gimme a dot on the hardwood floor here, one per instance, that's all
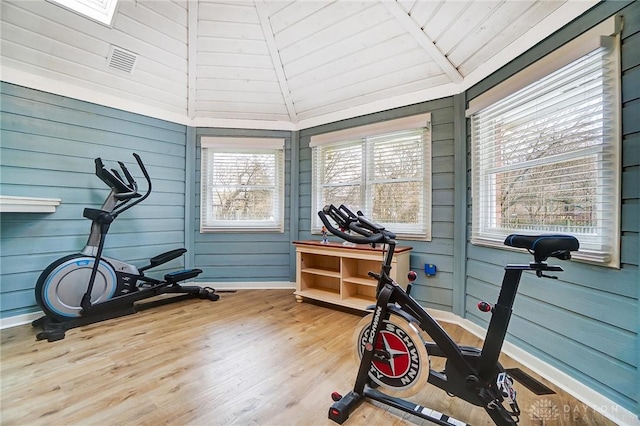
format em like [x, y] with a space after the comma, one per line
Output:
[255, 357]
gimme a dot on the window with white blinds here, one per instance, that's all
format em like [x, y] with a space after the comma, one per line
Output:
[545, 159]
[387, 175]
[242, 184]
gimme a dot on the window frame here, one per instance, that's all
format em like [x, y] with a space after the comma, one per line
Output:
[101, 11]
[361, 136]
[271, 146]
[605, 35]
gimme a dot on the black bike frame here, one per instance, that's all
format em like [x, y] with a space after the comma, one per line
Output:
[472, 374]
[463, 379]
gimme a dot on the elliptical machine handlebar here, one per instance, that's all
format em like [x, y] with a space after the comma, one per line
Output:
[123, 191]
[114, 181]
[144, 172]
[132, 183]
[371, 232]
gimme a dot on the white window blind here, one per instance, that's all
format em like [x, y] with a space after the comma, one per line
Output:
[242, 184]
[386, 175]
[545, 159]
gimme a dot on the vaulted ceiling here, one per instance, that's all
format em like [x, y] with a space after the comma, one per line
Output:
[269, 64]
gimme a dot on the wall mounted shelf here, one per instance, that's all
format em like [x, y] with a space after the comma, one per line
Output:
[14, 204]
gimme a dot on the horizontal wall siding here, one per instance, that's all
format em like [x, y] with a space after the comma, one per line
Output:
[48, 147]
[42, 39]
[436, 291]
[630, 222]
[586, 322]
[242, 256]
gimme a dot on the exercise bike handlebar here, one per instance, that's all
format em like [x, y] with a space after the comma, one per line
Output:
[371, 232]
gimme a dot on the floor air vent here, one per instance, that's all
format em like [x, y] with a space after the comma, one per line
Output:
[121, 59]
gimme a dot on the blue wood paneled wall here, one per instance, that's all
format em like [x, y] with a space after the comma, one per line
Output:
[48, 144]
[437, 291]
[249, 256]
[586, 323]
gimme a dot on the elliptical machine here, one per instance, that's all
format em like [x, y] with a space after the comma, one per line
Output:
[77, 290]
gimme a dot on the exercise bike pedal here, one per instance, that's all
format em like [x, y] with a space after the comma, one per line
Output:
[185, 274]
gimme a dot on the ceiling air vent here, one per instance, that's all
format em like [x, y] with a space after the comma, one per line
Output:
[121, 59]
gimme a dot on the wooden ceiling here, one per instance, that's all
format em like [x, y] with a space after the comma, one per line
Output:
[270, 64]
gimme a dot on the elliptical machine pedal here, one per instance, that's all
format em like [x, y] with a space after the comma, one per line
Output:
[209, 293]
[185, 274]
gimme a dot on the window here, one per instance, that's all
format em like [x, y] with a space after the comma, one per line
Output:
[545, 156]
[99, 10]
[383, 169]
[242, 184]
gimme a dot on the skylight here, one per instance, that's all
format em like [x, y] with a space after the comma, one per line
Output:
[98, 10]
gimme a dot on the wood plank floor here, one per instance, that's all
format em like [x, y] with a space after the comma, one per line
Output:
[255, 357]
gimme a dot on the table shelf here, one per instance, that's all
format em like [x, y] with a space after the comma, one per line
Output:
[337, 274]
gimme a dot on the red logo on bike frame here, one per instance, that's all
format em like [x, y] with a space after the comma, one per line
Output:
[396, 360]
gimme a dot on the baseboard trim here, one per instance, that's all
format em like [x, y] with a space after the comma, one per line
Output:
[589, 397]
[17, 320]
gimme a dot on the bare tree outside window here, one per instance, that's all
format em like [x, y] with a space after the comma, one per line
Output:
[386, 176]
[397, 179]
[243, 186]
[545, 159]
[559, 194]
[341, 174]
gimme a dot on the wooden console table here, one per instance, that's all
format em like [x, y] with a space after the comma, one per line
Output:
[337, 273]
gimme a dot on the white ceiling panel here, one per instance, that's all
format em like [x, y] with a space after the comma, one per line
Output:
[270, 64]
[297, 47]
[467, 23]
[422, 11]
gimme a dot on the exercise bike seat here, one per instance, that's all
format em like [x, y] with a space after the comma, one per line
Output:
[545, 246]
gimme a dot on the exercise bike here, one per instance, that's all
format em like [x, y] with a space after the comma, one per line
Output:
[393, 347]
[77, 290]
